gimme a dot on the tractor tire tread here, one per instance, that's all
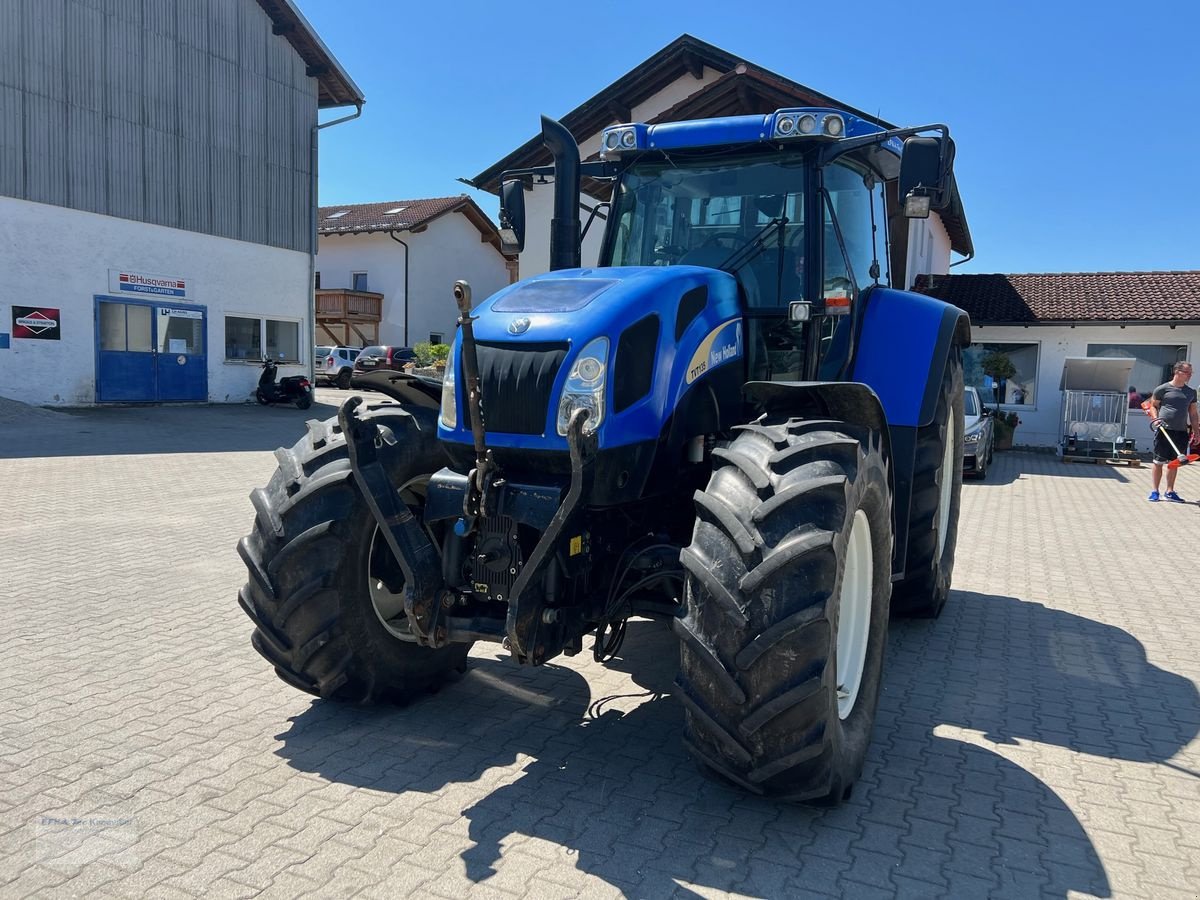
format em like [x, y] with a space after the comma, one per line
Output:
[305, 558]
[761, 684]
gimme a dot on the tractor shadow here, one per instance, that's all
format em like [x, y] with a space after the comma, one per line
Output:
[609, 791]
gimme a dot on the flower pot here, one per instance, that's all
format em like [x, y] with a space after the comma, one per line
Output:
[1004, 439]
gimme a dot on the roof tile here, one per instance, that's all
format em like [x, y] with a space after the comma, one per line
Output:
[364, 217]
[1070, 296]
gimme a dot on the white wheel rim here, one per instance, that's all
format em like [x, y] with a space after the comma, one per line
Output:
[947, 486]
[389, 607]
[854, 613]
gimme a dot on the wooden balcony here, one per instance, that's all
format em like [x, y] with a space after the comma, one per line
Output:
[349, 317]
[346, 305]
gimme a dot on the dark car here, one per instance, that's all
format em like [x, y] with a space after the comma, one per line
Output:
[374, 359]
[979, 433]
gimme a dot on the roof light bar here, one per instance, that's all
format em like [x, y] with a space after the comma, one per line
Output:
[797, 123]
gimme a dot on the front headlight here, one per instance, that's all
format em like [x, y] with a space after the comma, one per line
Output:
[972, 437]
[449, 399]
[584, 388]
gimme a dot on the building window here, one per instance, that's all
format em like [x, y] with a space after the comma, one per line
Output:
[244, 338]
[1020, 389]
[318, 281]
[436, 337]
[1152, 364]
[358, 281]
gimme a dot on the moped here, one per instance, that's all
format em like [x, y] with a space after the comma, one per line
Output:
[291, 389]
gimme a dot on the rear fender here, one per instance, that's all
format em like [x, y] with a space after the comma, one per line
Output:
[905, 344]
[902, 351]
[849, 402]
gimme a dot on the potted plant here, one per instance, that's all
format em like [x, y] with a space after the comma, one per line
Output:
[1006, 426]
[999, 368]
[440, 353]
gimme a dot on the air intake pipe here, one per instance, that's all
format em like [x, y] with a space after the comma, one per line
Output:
[564, 227]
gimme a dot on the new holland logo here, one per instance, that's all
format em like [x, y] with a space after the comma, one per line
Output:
[518, 326]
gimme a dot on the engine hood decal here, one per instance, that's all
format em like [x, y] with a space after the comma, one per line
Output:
[723, 343]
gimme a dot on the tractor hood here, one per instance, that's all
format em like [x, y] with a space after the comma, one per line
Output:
[666, 327]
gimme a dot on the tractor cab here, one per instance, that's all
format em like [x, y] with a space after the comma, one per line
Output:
[794, 205]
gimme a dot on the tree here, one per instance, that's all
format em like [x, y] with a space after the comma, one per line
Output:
[1000, 368]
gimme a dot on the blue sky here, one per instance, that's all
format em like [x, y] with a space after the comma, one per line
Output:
[1076, 123]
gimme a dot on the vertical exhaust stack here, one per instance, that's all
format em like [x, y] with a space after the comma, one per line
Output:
[564, 227]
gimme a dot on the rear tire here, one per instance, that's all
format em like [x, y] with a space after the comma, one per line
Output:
[304, 401]
[933, 519]
[780, 533]
[312, 559]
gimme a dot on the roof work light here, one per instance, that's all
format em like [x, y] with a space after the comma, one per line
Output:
[797, 123]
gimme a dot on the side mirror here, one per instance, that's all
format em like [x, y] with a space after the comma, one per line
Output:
[985, 413]
[512, 216]
[926, 167]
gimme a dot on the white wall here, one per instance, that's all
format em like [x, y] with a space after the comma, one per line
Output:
[928, 248]
[1041, 421]
[539, 203]
[451, 248]
[59, 257]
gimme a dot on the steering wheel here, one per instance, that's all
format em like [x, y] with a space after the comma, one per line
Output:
[734, 240]
[669, 251]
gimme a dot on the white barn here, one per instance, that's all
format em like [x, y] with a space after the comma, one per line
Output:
[158, 170]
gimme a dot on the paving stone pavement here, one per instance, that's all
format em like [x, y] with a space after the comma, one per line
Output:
[1037, 740]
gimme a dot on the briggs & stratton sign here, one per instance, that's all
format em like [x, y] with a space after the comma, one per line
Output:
[39, 323]
[123, 282]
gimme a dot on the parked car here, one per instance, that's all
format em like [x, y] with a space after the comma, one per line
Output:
[979, 435]
[335, 365]
[372, 359]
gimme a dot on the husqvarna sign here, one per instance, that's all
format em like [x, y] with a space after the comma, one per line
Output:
[121, 281]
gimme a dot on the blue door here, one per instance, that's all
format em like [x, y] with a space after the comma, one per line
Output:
[125, 367]
[182, 356]
[148, 352]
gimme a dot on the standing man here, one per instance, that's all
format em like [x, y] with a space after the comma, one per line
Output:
[1173, 412]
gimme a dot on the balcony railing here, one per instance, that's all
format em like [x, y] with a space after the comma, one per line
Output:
[349, 305]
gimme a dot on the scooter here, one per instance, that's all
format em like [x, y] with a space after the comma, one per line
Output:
[292, 389]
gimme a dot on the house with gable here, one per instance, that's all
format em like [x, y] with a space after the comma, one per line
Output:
[385, 270]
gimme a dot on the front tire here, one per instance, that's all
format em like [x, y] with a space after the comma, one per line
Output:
[936, 488]
[343, 379]
[786, 608]
[315, 569]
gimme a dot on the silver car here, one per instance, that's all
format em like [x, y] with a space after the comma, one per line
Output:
[334, 364]
[979, 435]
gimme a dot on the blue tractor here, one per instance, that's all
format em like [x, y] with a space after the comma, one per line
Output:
[733, 422]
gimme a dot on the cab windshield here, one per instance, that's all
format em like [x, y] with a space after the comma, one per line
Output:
[702, 212]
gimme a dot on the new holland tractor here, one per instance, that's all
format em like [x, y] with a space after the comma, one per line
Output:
[732, 422]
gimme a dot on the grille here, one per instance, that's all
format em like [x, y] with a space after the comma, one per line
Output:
[517, 382]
